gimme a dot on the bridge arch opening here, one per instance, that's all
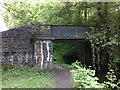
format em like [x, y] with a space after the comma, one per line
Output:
[68, 51]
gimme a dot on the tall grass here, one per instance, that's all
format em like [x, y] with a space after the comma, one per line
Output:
[27, 77]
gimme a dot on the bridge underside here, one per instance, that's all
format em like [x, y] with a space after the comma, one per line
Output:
[69, 40]
[69, 32]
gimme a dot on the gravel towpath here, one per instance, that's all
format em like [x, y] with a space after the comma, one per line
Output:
[62, 76]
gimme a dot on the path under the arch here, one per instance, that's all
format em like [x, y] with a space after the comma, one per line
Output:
[62, 76]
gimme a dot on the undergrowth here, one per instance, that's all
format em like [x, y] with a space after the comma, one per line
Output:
[85, 78]
[27, 77]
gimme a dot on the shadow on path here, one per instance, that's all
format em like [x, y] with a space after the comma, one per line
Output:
[62, 76]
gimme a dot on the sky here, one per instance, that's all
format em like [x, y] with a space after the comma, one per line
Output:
[2, 23]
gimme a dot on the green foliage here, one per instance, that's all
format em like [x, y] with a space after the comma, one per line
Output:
[105, 40]
[18, 13]
[7, 66]
[62, 49]
[117, 60]
[111, 83]
[100, 41]
[83, 77]
[27, 77]
[68, 52]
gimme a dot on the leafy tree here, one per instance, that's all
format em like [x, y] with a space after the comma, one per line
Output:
[59, 13]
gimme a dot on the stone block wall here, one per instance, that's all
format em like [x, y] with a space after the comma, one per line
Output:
[17, 46]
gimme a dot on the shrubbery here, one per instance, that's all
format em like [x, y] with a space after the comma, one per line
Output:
[112, 80]
[85, 78]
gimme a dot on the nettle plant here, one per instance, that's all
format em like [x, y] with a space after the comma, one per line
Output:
[111, 80]
[84, 77]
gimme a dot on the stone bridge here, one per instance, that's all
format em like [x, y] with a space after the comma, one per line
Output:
[33, 43]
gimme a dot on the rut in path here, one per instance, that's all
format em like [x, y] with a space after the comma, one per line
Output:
[62, 76]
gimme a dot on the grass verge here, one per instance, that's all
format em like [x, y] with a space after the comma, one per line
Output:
[27, 77]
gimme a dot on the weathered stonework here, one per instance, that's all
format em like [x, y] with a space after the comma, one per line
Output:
[17, 46]
[33, 43]
[43, 54]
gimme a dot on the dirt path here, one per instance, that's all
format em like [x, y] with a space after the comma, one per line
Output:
[62, 77]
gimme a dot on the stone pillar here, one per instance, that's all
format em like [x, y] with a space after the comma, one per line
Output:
[43, 54]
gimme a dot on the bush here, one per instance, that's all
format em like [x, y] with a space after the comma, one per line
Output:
[83, 77]
[111, 83]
